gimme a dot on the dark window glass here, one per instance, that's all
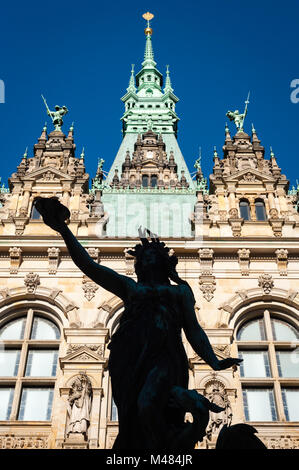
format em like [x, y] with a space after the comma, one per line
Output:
[114, 412]
[245, 210]
[260, 211]
[34, 213]
[145, 181]
[154, 180]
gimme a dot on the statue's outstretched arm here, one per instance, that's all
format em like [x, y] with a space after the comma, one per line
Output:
[105, 277]
[54, 215]
[198, 338]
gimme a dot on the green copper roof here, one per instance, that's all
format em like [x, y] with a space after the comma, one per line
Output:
[145, 99]
[149, 53]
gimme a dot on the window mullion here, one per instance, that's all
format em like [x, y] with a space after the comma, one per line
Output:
[279, 402]
[28, 323]
[23, 358]
[268, 327]
[16, 400]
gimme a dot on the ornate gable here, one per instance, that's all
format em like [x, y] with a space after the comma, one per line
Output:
[82, 355]
[149, 167]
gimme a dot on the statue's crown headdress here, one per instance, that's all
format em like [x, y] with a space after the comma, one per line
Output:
[155, 243]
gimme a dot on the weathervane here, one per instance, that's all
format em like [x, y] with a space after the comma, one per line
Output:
[148, 16]
[237, 117]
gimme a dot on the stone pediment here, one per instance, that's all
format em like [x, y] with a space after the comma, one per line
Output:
[150, 164]
[222, 351]
[48, 173]
[251, 175]
[83, 354]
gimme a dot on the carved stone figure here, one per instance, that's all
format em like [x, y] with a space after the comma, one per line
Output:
[79, 405]
[148, 364]
[215, 392]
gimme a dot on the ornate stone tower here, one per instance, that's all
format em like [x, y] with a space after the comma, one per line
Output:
[149, 170]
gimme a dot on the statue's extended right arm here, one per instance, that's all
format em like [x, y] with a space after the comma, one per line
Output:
[54, 215]
[105, 277]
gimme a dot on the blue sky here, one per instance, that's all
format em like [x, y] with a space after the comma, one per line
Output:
[79, 54]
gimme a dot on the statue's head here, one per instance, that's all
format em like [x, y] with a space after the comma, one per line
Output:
[57, 107]
[154, 256]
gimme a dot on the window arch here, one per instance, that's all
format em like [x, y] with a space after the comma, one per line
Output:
[245, 209]
[269, 373]
[28, 359]
[35, 215]
[145, 181]
[260, 210]
[113, 411]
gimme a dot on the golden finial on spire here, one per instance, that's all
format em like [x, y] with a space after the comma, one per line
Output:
[148, 16]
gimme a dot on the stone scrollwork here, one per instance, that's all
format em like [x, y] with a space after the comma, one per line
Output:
[11, 441]
[89, 287]
[266, 282]
[97, 348]
[208, 287]
[31, 281]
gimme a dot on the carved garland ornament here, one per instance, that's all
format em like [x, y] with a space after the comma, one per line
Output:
[31, 281]
[266, 283]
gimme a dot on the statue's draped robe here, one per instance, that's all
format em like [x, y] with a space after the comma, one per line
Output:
[148, 337]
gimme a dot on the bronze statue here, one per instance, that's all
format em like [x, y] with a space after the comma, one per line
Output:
[56, 115]
[148, 364]
[238, 117]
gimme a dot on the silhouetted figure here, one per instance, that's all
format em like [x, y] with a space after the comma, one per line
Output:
[148, 364]
[239, 436]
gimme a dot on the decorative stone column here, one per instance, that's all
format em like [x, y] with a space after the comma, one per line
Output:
[25, 200]
[85, 354]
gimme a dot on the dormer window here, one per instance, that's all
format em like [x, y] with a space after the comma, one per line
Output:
[260, 211]
[244, 209]
[149, 78]
[35, 215]
[145, 181]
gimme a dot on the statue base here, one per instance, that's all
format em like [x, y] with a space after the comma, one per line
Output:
[75, 440]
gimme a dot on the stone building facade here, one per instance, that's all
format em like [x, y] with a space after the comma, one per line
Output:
[238, 247]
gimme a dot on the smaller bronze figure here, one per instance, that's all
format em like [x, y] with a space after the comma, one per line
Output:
[56, 115]
[237, 117]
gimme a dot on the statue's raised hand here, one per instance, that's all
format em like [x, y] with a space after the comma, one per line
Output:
[229, 362]
[53, 212]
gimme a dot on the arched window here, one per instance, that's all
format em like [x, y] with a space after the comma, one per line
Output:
[30, 352]
[266, 345]
[260, 211]
[34, 213]
[113, 411]
[145, 181]
[244, 209]
[154, 180]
